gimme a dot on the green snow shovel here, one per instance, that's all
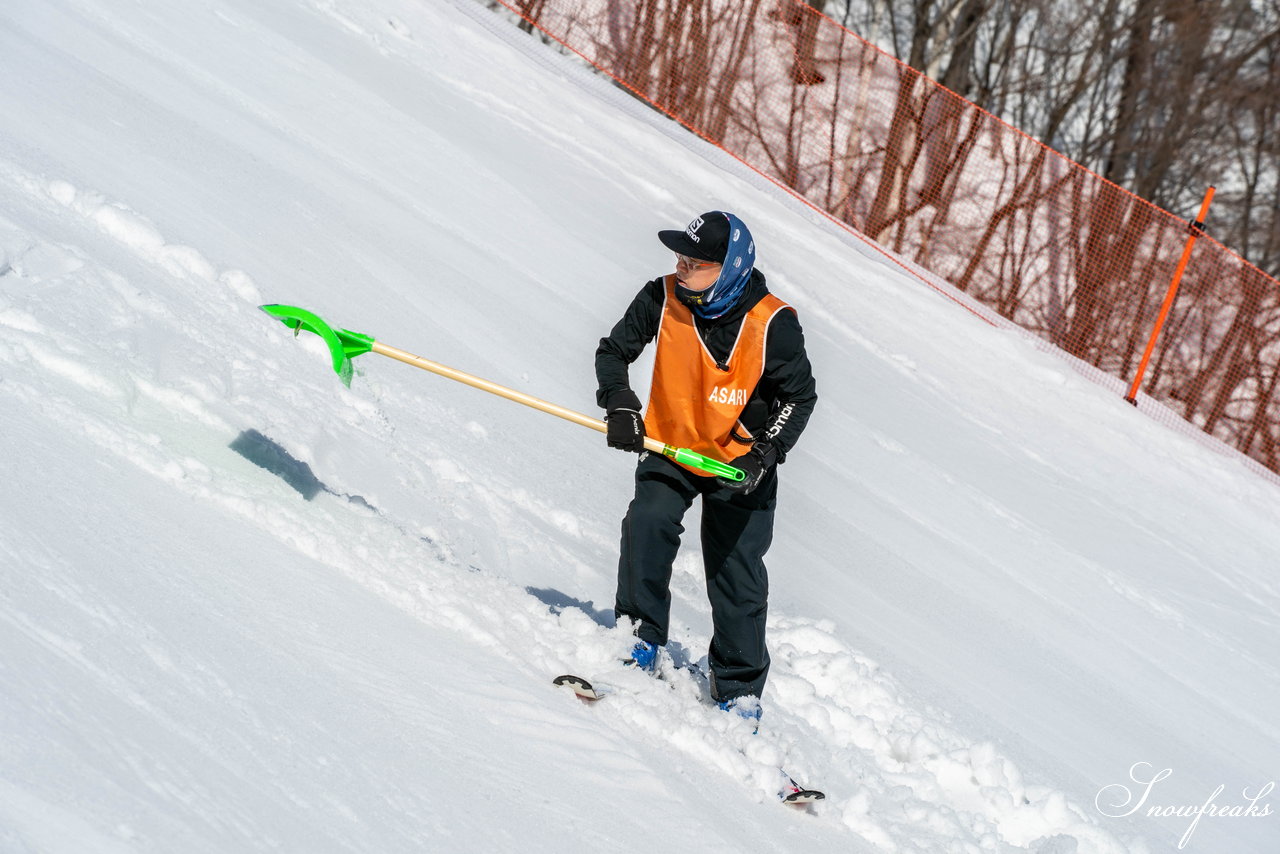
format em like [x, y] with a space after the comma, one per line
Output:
[344, 345]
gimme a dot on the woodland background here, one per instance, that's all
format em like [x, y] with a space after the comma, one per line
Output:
[1162, 97]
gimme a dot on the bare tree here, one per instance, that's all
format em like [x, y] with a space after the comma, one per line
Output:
[1145, 92]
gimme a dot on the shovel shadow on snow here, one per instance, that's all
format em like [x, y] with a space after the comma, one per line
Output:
[558, 602]
[266, 453]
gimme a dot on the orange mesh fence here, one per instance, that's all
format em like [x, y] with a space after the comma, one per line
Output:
[1034, 236]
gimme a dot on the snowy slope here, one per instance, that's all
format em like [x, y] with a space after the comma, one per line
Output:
[995, 587]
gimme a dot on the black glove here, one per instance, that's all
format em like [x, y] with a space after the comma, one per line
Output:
[626, 430]
[755, 463]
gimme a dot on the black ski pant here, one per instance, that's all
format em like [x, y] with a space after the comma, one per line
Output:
[736, 532]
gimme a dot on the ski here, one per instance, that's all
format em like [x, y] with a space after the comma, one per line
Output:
[582, 688]
[791, 794]
[798, 796]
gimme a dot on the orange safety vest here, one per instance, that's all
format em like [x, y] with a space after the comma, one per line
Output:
[692, 402]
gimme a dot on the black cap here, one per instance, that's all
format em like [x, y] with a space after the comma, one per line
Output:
[706, 238]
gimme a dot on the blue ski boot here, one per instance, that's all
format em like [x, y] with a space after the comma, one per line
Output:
[645, 656]
[747, 708]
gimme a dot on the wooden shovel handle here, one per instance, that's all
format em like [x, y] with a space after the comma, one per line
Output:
[502, 391]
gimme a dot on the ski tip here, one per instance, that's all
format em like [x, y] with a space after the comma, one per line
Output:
[803, 797]
[580, 686]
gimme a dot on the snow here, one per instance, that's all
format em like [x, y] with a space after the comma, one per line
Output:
[246, 608]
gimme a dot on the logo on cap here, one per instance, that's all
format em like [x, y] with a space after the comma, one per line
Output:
[692, 229]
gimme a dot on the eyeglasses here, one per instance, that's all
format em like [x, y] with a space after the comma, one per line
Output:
[695, 263]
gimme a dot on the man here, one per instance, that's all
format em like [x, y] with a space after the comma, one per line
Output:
[731, 380]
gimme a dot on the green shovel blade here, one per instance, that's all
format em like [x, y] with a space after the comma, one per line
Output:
[344, 345]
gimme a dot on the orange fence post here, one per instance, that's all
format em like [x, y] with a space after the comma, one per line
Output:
[1196, 229]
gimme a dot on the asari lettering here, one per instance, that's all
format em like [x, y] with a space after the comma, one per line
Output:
[733, 396]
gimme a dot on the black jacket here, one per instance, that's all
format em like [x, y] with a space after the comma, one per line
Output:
[784, 398]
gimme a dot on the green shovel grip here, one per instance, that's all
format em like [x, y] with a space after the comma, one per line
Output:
[698, 461]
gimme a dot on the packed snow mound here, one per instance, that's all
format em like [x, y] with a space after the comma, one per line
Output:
[248, 608]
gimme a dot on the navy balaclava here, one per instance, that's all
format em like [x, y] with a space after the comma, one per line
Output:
[739, 261]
